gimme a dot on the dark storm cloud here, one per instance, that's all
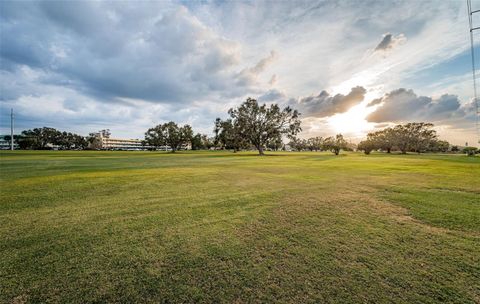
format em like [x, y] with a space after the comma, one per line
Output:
[326, 105]
[404, 105]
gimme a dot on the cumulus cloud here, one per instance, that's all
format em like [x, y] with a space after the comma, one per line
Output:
[168, 57]
[389, 42]
[325, 104]
[404, 105]
[93, 64]
[96, 64]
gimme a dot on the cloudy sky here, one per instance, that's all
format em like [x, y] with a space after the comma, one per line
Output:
[349, 67]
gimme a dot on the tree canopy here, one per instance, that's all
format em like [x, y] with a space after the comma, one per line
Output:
[411, 137]
[169, 134]
[48, 138]
[366, 146]
[201, 141]
[335, 143]
[228, 135]
[260, 124]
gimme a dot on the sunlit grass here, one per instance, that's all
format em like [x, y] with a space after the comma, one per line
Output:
[224, 227]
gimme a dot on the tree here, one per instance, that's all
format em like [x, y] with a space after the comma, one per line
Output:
[197, 142]
[17, 138]
[335, 144]
[228, 136]
[68, 141]
[169, 134]
[350, 147]
[275, 143]
[217, 129]
[40, 138]
[94, 141]
[80, 142]
[298, 144]
[315, 143]
[415, 136]
[258, 125]
[366, 146]
[383, 140]
[46, 138]
[208, 142]
[470, 151]
[26, 142]
[440, 146]
[423, 136]
[201, 141]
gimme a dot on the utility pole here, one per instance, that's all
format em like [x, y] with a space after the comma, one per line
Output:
[471, 12]
[11, 129]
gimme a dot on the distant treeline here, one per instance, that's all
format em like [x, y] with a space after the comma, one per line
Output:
[252, 126]
[45, 138]
[411, 137]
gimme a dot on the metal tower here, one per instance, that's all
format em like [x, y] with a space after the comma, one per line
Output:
[474, 75]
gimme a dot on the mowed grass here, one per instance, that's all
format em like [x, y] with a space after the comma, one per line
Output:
[83, 227]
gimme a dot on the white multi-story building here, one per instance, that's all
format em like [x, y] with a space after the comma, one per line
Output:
[108, 143]
[122, 144]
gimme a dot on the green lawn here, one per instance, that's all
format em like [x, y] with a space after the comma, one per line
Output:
[82, 227]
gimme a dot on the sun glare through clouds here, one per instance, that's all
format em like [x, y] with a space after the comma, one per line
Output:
[353, 122]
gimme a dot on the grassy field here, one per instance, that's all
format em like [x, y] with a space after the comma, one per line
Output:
[82, 227]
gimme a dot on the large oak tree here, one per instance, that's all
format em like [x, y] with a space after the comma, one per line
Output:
[415, 136]
[411, 137]
[169, 134]
[260, 124]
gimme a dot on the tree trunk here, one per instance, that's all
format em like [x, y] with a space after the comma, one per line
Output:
[260, 150]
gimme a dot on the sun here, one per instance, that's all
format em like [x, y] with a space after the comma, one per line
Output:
[353, 122]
